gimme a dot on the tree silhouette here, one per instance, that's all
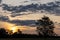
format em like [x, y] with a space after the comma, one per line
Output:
[10, 32]
[3, 32]
[45, 27]
[19, 32]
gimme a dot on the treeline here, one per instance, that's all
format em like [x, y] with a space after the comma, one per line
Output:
[4, 34]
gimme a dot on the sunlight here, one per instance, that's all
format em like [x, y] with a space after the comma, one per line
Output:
[14, 29]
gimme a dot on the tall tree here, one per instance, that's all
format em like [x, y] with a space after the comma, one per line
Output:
[45, 26]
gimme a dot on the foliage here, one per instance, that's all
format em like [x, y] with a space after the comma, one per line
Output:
[45, 26]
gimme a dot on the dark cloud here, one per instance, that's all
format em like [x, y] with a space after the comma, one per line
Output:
[52, 7]
[18, 22]
[23, 22]
[21, 8]
[4, 18]
[0, 1]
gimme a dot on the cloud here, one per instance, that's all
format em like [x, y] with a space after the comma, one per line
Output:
[18, 22]
[23, 22]
[18, 14]
[4, 18]
[0, 1]
[20, 8]
[15, 2]
[51, 7]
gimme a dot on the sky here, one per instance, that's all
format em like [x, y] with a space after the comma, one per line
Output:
[31, 16]
[24, 2]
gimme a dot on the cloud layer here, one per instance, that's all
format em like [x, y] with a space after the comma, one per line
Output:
[52, 7]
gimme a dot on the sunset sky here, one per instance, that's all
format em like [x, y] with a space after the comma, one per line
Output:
[26, 17]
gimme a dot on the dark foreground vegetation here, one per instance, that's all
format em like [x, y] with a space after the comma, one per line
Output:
[4, 34]
[16, 35]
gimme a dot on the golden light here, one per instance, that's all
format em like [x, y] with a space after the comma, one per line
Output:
[14, 29]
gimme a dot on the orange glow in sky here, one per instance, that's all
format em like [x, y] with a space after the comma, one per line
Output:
[14, 29]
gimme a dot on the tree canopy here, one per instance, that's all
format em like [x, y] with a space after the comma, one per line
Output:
[45, 26]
